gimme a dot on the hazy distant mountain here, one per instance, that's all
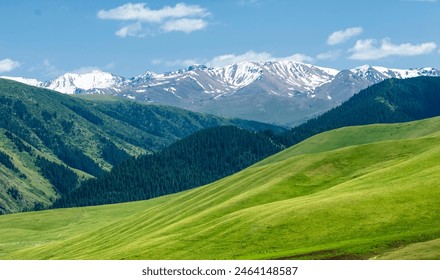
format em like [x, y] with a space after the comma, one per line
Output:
[282, 92]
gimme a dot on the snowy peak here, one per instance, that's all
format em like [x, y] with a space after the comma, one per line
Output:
[237, 75]
[145, 77]
[285, 78]
[31, 82]
[371, 74]
[71, 83]
[300, 75]
[377, 74]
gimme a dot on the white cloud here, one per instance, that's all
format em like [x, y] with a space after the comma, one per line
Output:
[47, 69]
[330, 55]
[342, 36]
[177, 62]
[89, 69]
[228, 59]
[298, 57]
[134, 30]
[369, 49]
[7, 65]
[139, 12]
[251, 56]
[86, 69]
[186, 25]
[181, 17]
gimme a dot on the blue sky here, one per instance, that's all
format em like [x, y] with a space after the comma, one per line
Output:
[46, 38]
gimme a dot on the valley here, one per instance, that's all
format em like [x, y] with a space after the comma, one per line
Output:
[143, 138]
[360, 199]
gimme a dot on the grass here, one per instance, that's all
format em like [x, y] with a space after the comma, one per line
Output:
[428, 250]
[353, 193]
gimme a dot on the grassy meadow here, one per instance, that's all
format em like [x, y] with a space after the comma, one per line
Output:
[368, 192]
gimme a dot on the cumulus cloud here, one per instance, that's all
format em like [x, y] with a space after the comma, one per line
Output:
[186, 25]
[181, 17]
[134, 30]
[251, 56]
[342, 36]
[139, 12]
[330, 55]
[47, 69]
[177, 62]
[228, 59]
[7, 65]
[369, 49]
[86, 69]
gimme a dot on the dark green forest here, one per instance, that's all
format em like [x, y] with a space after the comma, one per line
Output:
[199, 159]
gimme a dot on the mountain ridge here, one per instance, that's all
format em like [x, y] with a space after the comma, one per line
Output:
[279, 92]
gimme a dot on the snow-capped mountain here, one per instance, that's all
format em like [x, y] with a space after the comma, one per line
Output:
[31, 82]
[71, 83]
[281, 92]
[377, 74]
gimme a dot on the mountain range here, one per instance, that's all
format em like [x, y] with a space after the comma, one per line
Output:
[281, 92]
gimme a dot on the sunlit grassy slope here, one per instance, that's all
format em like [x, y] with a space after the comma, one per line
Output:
[352, 193]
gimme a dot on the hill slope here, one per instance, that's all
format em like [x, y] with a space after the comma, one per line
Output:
[46, 137]
[343, 201]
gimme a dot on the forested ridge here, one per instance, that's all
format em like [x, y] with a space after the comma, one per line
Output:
[201, 158]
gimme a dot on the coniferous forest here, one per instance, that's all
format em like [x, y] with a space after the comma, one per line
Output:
[201, 158]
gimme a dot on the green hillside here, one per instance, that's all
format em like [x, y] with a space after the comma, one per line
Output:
[373, 195]
[46, 137]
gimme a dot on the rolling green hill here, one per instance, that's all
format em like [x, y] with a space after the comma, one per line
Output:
[46, 137]
[363, 192]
